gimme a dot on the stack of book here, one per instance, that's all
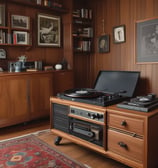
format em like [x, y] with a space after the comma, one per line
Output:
[2, 37]
[83, 13]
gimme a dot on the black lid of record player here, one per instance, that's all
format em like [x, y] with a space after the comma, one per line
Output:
[122, 82]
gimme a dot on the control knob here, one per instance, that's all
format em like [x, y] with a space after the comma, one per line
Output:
[93, 116]
[99, 116]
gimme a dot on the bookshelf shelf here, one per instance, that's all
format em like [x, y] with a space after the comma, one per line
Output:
[33, 4]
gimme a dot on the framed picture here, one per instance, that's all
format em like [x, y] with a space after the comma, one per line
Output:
[2, 15]
[18, 21]
[20, 37]
[103, 44]
[49, 30]
[147, 41]
[119, 34]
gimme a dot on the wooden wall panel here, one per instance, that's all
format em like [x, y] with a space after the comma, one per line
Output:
[122, 56]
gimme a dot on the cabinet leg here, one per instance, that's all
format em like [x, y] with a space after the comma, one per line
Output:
[57, 140]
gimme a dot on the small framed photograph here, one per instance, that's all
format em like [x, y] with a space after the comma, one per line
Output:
[147, 41]
[119, 34]
[18, 21]
[103, 44]
[2, 15]
[20, 37]
[49, 28]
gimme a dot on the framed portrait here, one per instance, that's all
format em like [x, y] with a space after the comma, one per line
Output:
[18, 21]
[20, 37]
[103, 44]
[49, 30]
[2, 15]
[119, 34]
[147, 41]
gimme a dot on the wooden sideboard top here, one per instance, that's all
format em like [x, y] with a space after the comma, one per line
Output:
[7, 73]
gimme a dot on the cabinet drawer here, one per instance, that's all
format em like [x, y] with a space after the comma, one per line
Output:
[130, 124]
[125, 145]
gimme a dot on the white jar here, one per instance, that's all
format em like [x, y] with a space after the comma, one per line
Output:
[39, 2]
[58, 66]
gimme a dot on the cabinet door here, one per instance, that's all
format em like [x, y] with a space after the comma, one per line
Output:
[14, 100]
[63, 80]
[40, 91]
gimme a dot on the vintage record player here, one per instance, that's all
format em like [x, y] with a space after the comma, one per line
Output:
[110, 87]
[141, 103]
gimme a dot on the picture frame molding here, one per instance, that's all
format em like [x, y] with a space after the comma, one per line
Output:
[48, 38]
[146, 41]
[24, 39]
[21, 22]
[119, 34]
[104, 43]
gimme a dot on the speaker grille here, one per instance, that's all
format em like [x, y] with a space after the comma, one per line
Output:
[60, 117]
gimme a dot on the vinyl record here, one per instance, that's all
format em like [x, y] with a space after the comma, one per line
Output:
[143, 99]
[82, 93]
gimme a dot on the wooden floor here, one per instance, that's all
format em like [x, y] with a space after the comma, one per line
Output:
[79, 153]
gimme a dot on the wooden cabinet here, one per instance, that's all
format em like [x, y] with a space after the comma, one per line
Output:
[132, 137]
[63, 80]
[125, 136]
[24, 96]
[129, 136]
[14, 100]
[40, 89]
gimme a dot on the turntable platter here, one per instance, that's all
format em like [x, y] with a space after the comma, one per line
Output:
[82, 93]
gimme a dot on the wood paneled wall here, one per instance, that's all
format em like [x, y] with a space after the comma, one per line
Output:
[49, 55]
[122, 56]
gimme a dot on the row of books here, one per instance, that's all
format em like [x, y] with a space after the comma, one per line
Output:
[50, 3]
[83, 46]
[83, 13]
[17, 37]
[85, 32]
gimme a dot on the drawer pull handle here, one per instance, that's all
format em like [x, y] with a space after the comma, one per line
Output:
[123, 123]
[123, 145]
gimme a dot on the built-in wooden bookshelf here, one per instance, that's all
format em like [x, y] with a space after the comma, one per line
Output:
[10, 36]
[82, 30]
[16, 36]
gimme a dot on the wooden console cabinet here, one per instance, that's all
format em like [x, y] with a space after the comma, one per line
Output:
[128, 136]
[24, 96]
